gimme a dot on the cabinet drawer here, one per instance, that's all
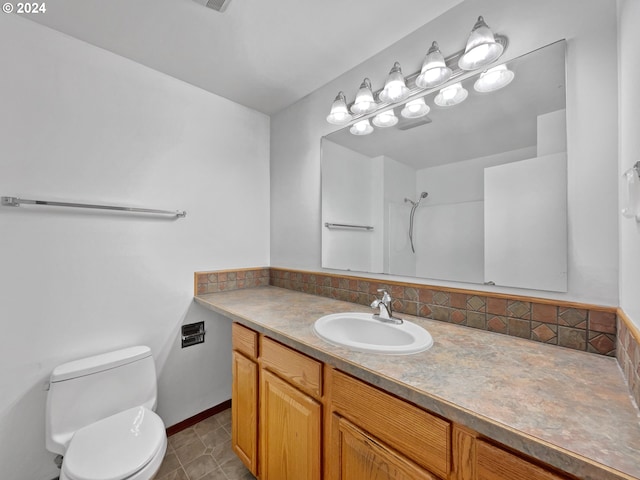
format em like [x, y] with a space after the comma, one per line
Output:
[296, 368]
[493, 463]
[364, 457]
[244, 340]
[420, 436]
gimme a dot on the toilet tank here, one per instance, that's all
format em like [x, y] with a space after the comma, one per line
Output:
[84, 391]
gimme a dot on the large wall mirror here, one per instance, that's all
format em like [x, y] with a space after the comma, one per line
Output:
[475, 192]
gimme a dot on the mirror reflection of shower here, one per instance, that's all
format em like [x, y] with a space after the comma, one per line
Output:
[414, 206]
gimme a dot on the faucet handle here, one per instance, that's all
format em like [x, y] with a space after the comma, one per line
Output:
[385, 295]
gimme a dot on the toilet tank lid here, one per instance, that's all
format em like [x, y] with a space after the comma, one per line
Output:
[99, 363]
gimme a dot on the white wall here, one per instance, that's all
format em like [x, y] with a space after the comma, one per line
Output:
[80, 124]
[399, 183]
[351, 181]
[592, 145]
[629, 98]
[449, 223]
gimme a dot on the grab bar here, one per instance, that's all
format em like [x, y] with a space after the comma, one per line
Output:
[346, 225]
[16, 202]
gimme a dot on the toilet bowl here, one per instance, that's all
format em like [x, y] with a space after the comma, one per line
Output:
[100, 417]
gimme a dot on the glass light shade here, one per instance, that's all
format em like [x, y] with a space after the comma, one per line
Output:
[493, 79]
[451, 95]
[385, 119]
[415, 108]
[395, 88]
[363, 127]
[364, 102]
[434, 69]
[482, 48]
[339, 114]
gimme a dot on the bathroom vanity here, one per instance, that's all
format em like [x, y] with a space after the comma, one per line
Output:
[477, 405]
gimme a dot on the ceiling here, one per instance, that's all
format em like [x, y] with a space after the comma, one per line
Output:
[262, 54]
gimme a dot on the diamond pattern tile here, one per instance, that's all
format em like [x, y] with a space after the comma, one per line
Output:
[477, 303]
[518, 309]
[441, 298]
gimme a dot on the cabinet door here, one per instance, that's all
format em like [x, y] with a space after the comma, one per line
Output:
[419, 435]
[244, 411]
[290, 431]
[362, 457]
[493, 463]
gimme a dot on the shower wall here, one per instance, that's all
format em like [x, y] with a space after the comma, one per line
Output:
[449, 224]
[352, 195]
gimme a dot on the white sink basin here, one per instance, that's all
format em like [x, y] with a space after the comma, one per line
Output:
[360, 331]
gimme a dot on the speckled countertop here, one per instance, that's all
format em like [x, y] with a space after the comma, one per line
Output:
[567, 408]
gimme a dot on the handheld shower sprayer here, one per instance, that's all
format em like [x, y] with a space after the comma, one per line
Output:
[414, 205]
[422, 195]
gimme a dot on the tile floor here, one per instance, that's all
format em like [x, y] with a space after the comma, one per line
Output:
[203, 452]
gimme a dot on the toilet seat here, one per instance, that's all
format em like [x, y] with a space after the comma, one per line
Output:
[117, 447]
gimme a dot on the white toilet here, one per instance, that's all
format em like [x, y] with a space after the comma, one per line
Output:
[100, 417]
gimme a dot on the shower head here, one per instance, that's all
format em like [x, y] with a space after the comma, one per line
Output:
[415, 204]
[422, 195]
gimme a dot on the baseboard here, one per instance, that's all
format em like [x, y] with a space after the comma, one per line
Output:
[191, 421]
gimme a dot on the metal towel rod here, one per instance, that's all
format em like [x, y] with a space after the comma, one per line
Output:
[346, 225]
[16, 202]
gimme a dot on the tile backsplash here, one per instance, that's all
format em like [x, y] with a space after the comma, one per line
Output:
[628, 354]
[588, 328]
[223, 280]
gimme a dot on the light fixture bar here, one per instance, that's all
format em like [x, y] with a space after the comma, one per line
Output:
[451, 61]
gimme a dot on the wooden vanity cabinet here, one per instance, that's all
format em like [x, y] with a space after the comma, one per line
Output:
[362, 456]
[290, 414]
[276, 408]
[475, 458]
[294, 418]
[244, 396]
[290, 431]
[377, 435]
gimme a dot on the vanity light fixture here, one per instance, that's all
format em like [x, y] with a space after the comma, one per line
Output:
[385, 119]
[451, 95]
[434, 69]
[482, 48]
[364, 102]
[415, 108]
[363, 127]
[493, 79]
[395, 88]
[339, 114]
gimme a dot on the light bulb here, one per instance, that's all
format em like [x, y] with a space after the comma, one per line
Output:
[434, 69]
[494, 79]
[415, 108]
[339, 114]
[449, 92]
[482, 48]
[395, 88]
[451, 95]
[385, 119]
[364, 102]
[363, 127]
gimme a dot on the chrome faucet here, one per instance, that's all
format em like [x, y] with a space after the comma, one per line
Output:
[384, 304]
